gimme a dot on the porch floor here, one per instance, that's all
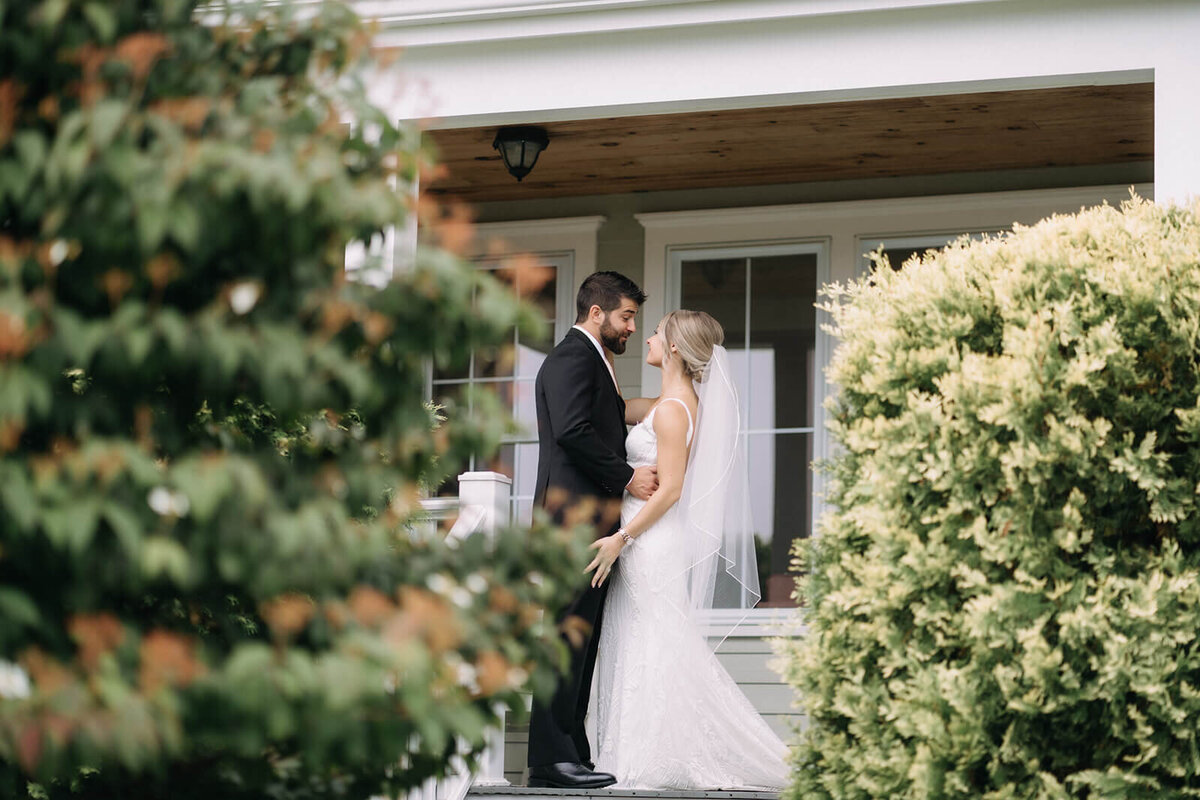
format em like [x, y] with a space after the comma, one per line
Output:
[513, 792]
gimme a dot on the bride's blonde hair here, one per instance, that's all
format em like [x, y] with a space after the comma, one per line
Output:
[694, 334]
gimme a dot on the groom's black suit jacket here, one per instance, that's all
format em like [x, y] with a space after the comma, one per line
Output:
[581, 427]
[581, 457]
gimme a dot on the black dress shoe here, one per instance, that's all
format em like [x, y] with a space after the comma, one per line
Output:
[568, 775]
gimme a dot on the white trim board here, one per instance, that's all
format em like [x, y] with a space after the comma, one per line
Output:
[424, 23]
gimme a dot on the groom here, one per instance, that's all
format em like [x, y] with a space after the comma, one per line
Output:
[581, 465]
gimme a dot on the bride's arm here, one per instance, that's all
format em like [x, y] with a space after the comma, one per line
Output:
[670, 427]
[636, 409]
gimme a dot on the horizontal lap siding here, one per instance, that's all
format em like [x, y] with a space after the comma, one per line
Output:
[747, 660]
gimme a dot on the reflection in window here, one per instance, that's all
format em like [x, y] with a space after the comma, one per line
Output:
[764, 298]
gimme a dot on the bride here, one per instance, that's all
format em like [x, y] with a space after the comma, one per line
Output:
[668, 716]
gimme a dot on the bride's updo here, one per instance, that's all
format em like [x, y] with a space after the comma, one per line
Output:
[694, 334]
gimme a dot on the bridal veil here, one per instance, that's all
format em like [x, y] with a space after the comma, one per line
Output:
[722, 570]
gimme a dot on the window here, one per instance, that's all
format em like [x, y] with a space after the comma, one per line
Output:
[899, 249]
[509, 374]
[764, 296]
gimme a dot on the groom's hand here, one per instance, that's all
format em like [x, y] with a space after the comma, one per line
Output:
[643, 483]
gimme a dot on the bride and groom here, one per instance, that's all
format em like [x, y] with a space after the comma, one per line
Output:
[667, 715]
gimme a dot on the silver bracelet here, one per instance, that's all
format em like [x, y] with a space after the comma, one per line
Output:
[625, 537]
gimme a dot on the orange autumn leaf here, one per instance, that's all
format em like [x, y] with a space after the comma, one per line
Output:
[29, 747]
[10, 96]
[140, 51]
[376, 327]
[14, 337]
[369, 606]
[161, 269]
[576, 629]
[503, 600]
[430, 617]
[47, 674]
[287, 614]
[116, 282]
[491, 672]
[167, 659]
[95, 635]
[10, 434]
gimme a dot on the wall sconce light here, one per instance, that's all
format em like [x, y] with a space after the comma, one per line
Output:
[520, 147]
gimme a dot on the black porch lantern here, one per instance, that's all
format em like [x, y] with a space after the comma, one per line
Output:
[520, 147]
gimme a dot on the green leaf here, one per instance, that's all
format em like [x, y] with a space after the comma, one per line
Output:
[17, 608]
[166, 558]
[185, 224]
[18, 498]
[103, 21]
[72, 526]
[107, 117]
[126, 525]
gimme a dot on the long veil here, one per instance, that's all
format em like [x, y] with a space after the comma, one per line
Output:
[722, 570]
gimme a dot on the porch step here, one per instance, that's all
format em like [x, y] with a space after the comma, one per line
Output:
[530, 793]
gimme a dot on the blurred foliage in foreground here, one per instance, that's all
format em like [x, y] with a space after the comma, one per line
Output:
[1005, 601]
[209, 583]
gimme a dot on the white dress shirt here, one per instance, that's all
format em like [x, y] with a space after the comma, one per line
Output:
[600, 350]
[607, 363]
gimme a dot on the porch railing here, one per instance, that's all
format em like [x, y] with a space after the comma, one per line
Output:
[482, 507]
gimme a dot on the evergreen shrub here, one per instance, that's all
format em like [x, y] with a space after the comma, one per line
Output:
[1005, 599]
[212, 442]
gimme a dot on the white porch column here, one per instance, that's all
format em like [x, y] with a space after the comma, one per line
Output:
[1177, 129]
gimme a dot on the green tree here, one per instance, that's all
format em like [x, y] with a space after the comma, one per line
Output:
[212, 442]
[1005, 600]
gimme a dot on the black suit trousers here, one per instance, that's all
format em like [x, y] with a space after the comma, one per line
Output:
[556, 730]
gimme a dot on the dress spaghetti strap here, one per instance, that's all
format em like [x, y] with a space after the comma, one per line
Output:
[686, 410]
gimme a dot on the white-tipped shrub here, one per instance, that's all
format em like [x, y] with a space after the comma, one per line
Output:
[1005, 600]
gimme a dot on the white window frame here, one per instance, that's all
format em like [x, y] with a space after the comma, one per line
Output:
[569, 243]
[819, 247]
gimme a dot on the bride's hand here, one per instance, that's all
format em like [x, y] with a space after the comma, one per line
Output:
[609, 548]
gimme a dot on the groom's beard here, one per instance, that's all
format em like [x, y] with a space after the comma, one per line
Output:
[611, 339]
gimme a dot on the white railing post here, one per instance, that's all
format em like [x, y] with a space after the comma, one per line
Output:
[490, 492]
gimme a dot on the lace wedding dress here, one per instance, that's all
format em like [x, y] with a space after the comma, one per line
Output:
[668, 715]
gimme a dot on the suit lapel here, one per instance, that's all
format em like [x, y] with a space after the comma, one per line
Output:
[603, 366]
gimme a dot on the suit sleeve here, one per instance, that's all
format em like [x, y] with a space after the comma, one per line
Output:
[569, 387]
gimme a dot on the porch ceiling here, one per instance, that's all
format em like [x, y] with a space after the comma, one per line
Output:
[1074, 126]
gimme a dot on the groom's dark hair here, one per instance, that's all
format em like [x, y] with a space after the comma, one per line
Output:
[605, 289]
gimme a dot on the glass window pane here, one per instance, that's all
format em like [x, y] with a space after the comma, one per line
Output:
[525, 479]
[507, 276]
[452, 369]
[503, 460]
[532, 350]
[539, 286]
[452, 396]
[525, 408]
[718, 286]
[524, 512]
[501, 390]
[781, 504]
[898, 255]
[783, 335]
[497, 362]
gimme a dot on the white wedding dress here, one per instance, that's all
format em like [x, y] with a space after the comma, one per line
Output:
[668, 715]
